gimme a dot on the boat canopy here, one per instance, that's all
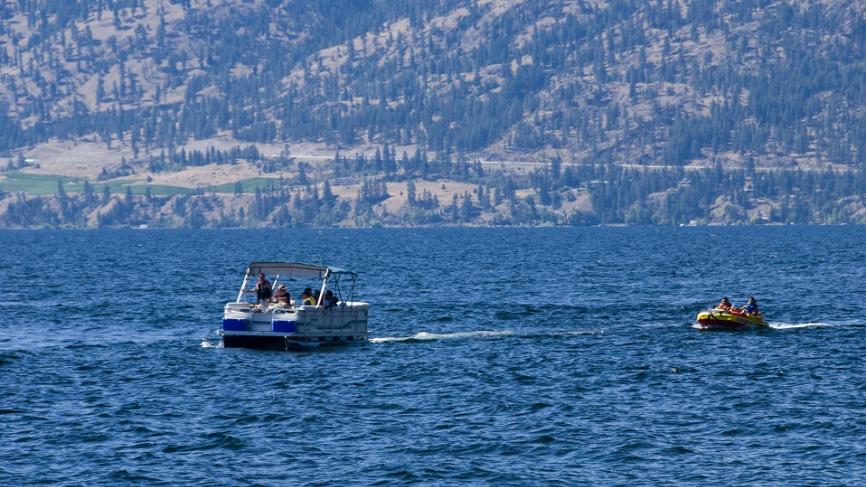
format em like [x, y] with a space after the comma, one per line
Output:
[289, 270]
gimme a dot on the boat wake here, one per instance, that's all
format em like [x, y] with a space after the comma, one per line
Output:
[817, 324]
[481, 335]
[796, 326]
[211, 343]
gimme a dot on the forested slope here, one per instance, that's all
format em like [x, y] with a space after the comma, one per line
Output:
[627, 81]
[775, 85]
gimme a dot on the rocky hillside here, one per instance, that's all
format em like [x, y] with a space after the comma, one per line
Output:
[170, 97]
[658, 82]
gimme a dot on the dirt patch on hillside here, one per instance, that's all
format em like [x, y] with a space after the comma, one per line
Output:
[81, 159]
[211, 174]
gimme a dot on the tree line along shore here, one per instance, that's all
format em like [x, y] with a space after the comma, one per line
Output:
[387, 190]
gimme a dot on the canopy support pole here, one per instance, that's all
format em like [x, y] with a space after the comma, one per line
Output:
[324, 285]
[243, 285]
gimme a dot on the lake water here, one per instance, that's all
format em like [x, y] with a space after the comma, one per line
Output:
[498, 356]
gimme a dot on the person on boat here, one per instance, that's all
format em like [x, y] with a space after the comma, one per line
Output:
[306, 297]
[330, 300]
[263, 289]
[751, 307]
[316, 296]
[724, 304]
[282, 296]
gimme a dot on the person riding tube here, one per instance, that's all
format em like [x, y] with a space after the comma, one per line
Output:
[751, 307]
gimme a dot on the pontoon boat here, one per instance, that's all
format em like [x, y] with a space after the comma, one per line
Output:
[273, 325]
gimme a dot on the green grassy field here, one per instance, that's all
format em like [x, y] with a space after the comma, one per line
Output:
[44, 184]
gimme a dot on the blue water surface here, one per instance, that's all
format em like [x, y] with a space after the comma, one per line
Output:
[498, 356]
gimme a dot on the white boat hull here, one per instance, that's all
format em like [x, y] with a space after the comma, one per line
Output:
[306, 326]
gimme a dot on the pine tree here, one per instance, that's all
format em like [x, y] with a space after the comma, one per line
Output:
[410, 192]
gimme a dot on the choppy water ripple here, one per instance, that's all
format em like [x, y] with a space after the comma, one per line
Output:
[506, 356]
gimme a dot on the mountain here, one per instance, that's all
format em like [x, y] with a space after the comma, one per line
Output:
[188, 94]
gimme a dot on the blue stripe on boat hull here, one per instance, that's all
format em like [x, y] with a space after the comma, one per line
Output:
[234, 325]
[283, 326]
